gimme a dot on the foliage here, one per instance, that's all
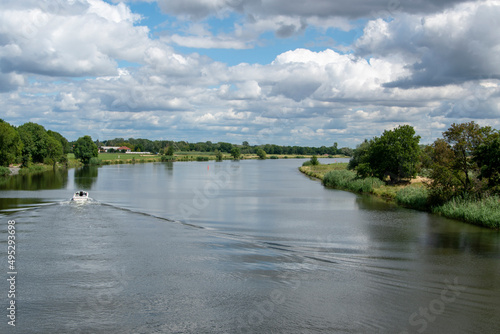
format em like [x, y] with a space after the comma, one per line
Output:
[464, 139]
[307, 163]
[413, 197]
[396, 153]
[170, 150]
[346, 179]
[4, 171]
[484, 212]
[218, 155]
[35, 140]
[456, 160]
[85, 149]
[235, 152]
[66, 147]
[95, 161]
[314, 160]
[487, 157]
[10, 144]
[261, 153]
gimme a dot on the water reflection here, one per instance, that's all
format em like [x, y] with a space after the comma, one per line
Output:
[86, 176]
[53, 179]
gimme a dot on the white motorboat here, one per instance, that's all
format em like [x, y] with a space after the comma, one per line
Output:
[80, 196]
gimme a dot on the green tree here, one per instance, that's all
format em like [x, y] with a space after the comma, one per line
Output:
[64, 142]
[85, 149]
[10, 144]
[359, 159]
[445, 180]
[261, 154]
[170, 151]
[464, 139]
[54, 151]
[218, 155]
[35, 140]
[396, 153]
[235, 152]
[314, 160]
[487, 156]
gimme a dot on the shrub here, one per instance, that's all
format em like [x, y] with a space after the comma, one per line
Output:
[307, 163]
[274, 157]
[346, 179]
[413, 197]
[95, 161]
[4, 171]
[201, 158]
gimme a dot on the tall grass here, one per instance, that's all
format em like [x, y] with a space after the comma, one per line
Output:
[484, 212]
[346, 179]
[413, 197]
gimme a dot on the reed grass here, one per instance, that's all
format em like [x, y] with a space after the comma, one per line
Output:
[415, 197]
[484, 212]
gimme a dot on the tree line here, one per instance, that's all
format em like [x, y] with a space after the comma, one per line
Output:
[161, 146]
[464, 162]
[31, 143]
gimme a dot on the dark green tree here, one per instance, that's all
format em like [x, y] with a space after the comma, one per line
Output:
[464, 139]
[54, 151]
[10, 144]
[235, 152]
[85, 149]
[35, 140]
[396, 153]
[314, 160]
[487, 156]
[64, 142]
[170, 151]
[261, 154]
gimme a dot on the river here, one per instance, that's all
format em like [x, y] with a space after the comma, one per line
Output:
[235, 247]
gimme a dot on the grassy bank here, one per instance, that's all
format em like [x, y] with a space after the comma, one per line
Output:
[484, 212]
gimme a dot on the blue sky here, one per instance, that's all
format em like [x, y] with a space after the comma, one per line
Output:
[285, 72]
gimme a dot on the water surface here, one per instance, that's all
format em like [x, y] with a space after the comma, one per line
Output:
[237, 247]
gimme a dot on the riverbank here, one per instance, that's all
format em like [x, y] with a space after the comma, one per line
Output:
[484, 212]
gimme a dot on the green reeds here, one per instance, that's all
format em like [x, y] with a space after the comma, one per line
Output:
[484, 212]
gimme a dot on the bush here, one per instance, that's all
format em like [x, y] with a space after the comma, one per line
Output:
[307, 163]
[413, 197]
[274, 157]
[346, 179]
[201, 158]
[95, 161]
[4, 171]
[484, 212]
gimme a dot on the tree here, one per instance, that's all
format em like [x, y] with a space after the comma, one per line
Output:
[218, 155]
[235, 152]
[487, 156]
[261, 154]
[85, 149]
[64, 142]
[396, 153]
[35, 140]
[54, 151]
[10, 144]
[464, 139]
[314, 160]
[170, 151]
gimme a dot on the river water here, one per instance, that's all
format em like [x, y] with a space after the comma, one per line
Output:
[236, 247]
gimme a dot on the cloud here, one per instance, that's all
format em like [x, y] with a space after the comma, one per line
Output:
[352, 9]
[425, 67]
[451, 47]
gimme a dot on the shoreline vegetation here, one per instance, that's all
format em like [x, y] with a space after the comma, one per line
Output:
[414, 195]
[124, 158]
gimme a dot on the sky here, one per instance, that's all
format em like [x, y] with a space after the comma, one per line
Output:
[285, 72]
